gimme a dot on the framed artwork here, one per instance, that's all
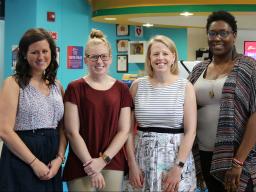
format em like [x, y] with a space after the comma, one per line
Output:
[137, 51]
[15, 49]
[58, 55]
[122, 45]
[250, 49]
[122, 30]
[122, 63]
[138, 31]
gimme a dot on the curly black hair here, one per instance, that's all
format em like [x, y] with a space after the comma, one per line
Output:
[22, 72]
[222, 16]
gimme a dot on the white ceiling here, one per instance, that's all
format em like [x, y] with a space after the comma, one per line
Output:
[244, 20]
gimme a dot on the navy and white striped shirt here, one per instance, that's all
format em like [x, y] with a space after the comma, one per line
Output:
[160, 106]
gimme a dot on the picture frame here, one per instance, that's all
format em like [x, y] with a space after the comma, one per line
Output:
[137, 51]
[122, 63]
[138, 30]
[15, 49]
[58, 55]
[122, 30]
[250, 49]
[122, 45]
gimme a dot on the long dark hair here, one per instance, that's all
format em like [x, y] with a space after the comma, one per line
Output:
[22, 72]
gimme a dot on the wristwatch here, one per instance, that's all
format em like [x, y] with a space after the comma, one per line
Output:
[105, 157]
[180, 164]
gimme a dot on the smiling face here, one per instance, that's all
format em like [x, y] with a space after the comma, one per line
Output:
[221, 38]
[161, 58]
[39, 56]
[98, 59]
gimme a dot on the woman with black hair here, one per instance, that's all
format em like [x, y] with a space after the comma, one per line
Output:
[226, 96]
[31, 112]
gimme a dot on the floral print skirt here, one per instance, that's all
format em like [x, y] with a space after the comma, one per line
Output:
[156, 153]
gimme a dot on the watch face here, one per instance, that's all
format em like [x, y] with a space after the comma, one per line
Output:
[107, 159]
[181, 164]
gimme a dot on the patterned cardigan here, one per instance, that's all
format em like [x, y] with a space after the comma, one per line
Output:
[237, 103]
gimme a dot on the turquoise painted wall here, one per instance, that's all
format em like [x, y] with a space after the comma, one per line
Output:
[73, 24]
[19, 16]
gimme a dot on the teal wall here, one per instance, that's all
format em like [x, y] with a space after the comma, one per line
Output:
[73, 24]
[19, 16]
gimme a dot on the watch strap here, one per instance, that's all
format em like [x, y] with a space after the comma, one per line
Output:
[106, 158]
[179, 164]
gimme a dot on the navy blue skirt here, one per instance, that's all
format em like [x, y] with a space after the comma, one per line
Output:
[16, 175]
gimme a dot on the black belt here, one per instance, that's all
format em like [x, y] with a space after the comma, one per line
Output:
[44, 131]
[161, 130]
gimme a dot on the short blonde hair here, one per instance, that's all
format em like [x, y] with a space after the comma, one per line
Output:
[97, 37]
[172, 47]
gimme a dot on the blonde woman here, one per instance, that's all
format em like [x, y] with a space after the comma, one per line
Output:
[97, 121]
[165, 111]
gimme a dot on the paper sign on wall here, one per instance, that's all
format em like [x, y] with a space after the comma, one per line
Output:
[75, 57]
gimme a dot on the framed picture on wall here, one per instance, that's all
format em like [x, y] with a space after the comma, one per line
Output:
[58, 55]
[122, 30]
[137, 51]
[250, 49]
[122, 45]
[14, 56]
[122, 63]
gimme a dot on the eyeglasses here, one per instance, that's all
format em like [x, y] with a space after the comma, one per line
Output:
[94, 58]
[221, 34]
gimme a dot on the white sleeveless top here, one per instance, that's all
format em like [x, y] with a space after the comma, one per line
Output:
[160, 106]
[38, 111]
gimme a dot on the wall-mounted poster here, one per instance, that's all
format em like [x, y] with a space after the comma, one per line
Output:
[138, 31]
[250, 49]
[122, 63]
[122, 30]
[122, 45]
[137, 51]
[58, 54]
[75, 57]
[14, 56]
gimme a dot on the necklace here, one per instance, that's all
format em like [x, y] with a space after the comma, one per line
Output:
[216, 87]
[211, 93]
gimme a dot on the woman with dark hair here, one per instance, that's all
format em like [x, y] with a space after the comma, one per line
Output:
[31, 112]
[226, 96]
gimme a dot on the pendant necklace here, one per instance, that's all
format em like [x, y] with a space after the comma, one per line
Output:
[211, 92]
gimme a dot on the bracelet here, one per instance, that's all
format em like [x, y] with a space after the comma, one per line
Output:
[236, 165]
[236, 161]
[61, 157]
[32, 161]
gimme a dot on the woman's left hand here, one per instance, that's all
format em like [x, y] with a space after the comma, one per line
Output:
[95, 166]
[172, 179]
[54, 166]
[232, 179]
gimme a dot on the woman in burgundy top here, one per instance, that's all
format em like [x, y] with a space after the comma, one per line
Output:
[97, 121]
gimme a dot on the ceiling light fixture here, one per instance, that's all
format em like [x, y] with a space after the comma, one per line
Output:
[186, 14]
[110, 18]
[148, 25]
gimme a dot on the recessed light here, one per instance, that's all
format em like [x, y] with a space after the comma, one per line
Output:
[110, 18]
[148, 25]
[186, 13]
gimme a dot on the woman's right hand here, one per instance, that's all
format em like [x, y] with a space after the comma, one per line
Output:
[40, 169]
[136, 177]
[97, 181]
